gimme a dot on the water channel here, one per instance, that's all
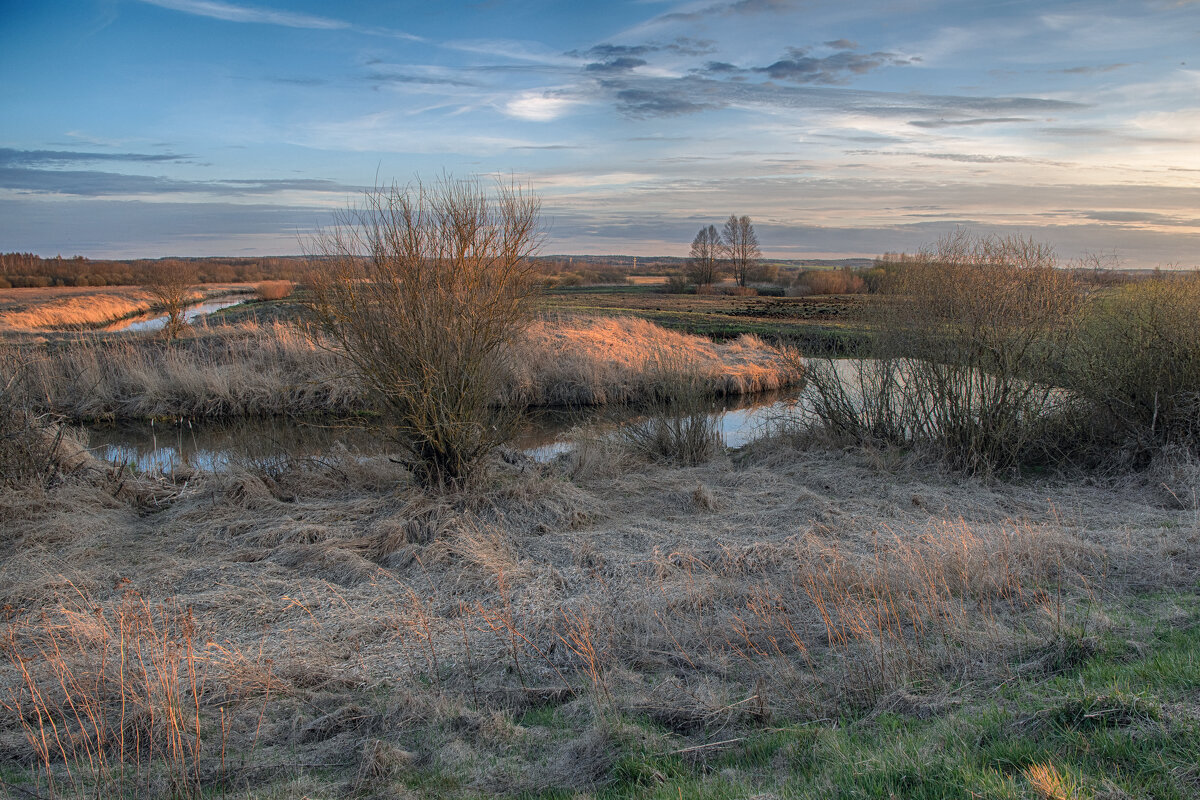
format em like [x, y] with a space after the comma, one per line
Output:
[166, 446]
[155, 322]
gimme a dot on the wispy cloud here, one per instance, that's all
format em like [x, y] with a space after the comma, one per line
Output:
[12, 158]
[228, 12]
[95, 183]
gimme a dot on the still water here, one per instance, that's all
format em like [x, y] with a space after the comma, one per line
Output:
[155, 322]
[163, 447]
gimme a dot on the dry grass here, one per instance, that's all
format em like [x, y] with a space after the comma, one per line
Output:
[274, 290]
[249, 370]
[42, 309]
[124, 700]
[576, 360]
[56, 308]
[257, 370]
[412, 633]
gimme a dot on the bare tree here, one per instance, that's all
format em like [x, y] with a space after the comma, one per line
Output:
[704, 260]
[421, 287]
[739, 243]
[171, 287]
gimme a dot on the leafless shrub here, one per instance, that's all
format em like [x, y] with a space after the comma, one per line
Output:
[421, 287]
[969, 339]
[171, 288]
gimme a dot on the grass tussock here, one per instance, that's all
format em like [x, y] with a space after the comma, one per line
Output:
[274, 290]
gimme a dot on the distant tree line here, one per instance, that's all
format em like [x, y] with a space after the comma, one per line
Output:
[20, 270]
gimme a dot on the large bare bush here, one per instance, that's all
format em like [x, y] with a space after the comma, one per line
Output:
[421, 287]
[970, 336]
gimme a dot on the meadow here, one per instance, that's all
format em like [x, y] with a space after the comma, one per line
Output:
[876, 597]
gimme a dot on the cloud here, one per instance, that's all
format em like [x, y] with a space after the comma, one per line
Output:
[137, 228]
[842, 44]
[89, 183]
[799, 67]
[954, 123]
[12, 158]
[647, 96]
[421, 80]
[739, 8]
[538, 105]
[229, 12]
[649, 103]
[615, 65]
[1093, 70]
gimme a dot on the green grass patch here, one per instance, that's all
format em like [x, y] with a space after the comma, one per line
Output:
[1122, 719]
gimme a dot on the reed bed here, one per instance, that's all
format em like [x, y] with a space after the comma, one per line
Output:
[280, 369]
[569, 360]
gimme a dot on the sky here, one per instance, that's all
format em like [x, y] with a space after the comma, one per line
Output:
[148, 128]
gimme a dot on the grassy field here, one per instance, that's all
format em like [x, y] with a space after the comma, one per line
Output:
[788, 621]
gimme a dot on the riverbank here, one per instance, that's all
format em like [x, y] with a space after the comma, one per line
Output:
[250, 370]
[45, 310]
[601, 626]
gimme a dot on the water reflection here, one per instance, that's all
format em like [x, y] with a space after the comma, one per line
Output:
[151, 322]
[165, 447]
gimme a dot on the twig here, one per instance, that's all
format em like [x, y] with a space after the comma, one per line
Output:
[704, 746]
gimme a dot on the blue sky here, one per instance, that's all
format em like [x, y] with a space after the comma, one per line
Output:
[206, 127]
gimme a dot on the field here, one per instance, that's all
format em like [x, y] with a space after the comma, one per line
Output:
[786, 621]
[824, 612]
[816, 324]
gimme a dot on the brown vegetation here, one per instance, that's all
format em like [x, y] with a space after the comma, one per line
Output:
[43, 309]
[964, 353]
[374, 636]
[269, 370]
[420, 288]
[274, 290]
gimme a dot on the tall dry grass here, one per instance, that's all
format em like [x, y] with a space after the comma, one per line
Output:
[274, 290]
[45, 309]
[574, 360]
[680, 425]
[128, 701]
[279, 369]
[248, 370]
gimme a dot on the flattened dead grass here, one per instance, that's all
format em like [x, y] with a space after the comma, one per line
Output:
[502, 638]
